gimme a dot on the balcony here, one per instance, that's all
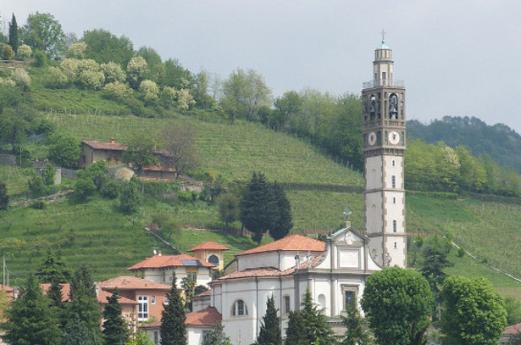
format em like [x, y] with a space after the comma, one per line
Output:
[372, 83]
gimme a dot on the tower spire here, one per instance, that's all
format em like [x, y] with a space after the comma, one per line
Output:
[383, 36]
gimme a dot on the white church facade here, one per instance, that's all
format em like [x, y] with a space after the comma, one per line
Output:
[334, 271]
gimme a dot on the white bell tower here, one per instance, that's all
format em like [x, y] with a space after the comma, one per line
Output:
[384, 147]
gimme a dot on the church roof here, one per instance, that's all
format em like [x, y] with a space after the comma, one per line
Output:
[289, 243]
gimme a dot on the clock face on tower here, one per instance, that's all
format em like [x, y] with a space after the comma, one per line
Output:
[394, 138]
[371, 138]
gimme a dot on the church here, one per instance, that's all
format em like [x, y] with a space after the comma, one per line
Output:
[334, 271]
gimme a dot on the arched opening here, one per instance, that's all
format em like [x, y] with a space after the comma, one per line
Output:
[239, 308]
[393, 106]
[213, 259]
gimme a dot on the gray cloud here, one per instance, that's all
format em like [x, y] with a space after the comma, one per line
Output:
[456, 57]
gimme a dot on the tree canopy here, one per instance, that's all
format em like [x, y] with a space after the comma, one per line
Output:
[42, 31]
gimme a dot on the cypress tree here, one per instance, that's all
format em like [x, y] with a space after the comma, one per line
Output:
[296, 332]
[173, 329]
[355, 333]
[13, 34]
[115, 330]
[53, 269]
[31, 321]
[282, 220]
[84, 308]
[257, 206]
[315, 323]
[4, 197]
[270, 329]
[216, 336]
[77, 332]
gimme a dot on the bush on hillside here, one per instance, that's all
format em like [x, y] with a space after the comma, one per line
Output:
[7, 82]
[40, 59]
[21, 78]
[110, 189]
[130, 198]
[77, 50]
[24, 52]
[84, 188]
[169, 97]
[113, 72]
[91, 79]
[117, 91]
[38, 188]
[149, 91]
[70, 68]
[6, 52]
[55, 78]
[185, 100]
[64, 150]
[136, 71]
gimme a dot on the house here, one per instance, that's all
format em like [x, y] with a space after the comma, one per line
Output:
[160, 269]
[93, 151]
[211, 252]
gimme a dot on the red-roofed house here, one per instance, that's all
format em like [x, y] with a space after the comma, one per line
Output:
[160, 269]
[211, 252]
[93, 151]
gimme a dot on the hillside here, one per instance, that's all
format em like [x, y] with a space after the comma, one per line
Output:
[499, 142]
[234, 151]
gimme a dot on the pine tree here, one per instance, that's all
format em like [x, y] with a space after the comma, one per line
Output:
[270, 329]
[315, 323]
[257, 206]
[13, 34]
[216, 336]
[53, 269]
[173, 330]
[31, 321]
[84, 307]
[282, 221]
[4, 197]
[55, 295]
[77, 333]
[115, 329]
[355, 334]
[296, 332]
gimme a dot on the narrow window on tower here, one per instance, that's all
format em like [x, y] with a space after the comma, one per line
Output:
[393, 181]
[394, 200]
[395, 245]
[394, 225]
[394, 163]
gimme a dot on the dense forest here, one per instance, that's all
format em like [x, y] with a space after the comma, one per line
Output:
[499, 142]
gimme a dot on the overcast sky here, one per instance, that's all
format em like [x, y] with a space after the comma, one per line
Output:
[456, 57]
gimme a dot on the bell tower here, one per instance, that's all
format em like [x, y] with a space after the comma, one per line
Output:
[384, 147]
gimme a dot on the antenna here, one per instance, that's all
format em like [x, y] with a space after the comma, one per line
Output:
[383, 36]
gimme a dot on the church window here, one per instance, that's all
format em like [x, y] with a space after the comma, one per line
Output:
[287, 305]
[394, 163]
[394, 225]
[214, 260]
[239, 308]
[393, 181]
[349, 293]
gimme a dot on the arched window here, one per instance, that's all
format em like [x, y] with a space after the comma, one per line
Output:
[322, 302]
[239, 308]
[214, 260]
[393, 106]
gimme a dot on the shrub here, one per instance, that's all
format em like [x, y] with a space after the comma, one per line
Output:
[149, 90]
[21, 78]
[70, 68]
[136, 69]
[130, 198]
[24, 52]
[187, 196]
[7, 82]
[38, 205]
[88, 65]
[461, 252]
[6, 51]
[110, 190]
[84, 188]
[185, 100]
[91, 80]
[169, 97]
[64, 150]
[40, 59]
[37, 187]
[77, 50]
[117, 91]
[55, 78]
[113, 72]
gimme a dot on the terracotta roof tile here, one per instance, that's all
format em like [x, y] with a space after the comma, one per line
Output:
[131, 283]
[103, 295]
[208, 317]
[289, 243]
[513, 329]
[203, 294]
[163, 261]
[109, 146]
[209, 246]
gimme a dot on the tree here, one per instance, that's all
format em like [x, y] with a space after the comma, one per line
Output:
[105, 47]
[141, 338]
[55, 295]
[315, 323]
[356, 334]
[468, 305]
[13, 34]
[130, 198]
[83, 314]
[398, 303]
[84, 188]
[269, 333]
[200, 91]
[115, 329]
[78, 332]
[435, 253]
[282, 220]
[140, 153]
[31, 321]
[245, 92]
[296, 332]
[513, 308]
[53, 269]
[173, 329]
[4, 197]
[229, 210]
[176, 75]
[216, 336]
[156, 69]
[287, 106]
[179, 142]
[64, 150]
[45, 33]
[137, 70]
[188, 284]
[257, 206]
